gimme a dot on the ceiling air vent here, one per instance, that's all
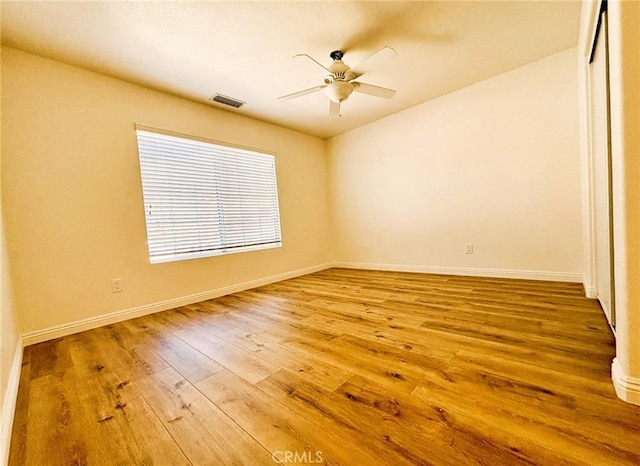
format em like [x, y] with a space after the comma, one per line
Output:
[230, 101]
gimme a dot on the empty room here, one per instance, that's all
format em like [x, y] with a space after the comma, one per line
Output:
[332, 233]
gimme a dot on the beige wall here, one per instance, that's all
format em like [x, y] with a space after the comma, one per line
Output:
[73, 200]
[496, 164]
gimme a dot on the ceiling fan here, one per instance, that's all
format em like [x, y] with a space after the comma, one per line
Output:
[341, 80]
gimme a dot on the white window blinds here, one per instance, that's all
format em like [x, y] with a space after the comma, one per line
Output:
[203, 199]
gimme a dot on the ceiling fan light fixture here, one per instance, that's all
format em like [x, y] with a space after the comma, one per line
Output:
[338, 91]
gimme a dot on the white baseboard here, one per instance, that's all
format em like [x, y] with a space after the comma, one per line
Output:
[468, 271]
[590, 293]
[627, 387]
[9, 403]
[58, 331]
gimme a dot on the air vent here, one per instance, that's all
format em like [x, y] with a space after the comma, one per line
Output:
[230, 101]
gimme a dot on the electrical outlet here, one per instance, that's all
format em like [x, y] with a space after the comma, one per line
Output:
[468, 248]
[365, 248]
[116, 285]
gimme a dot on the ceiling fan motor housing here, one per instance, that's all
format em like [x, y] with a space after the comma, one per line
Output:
[339, 68]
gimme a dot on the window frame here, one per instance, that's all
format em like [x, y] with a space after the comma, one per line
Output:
[221, 150]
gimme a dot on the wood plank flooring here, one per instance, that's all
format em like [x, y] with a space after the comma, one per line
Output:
[340, 367]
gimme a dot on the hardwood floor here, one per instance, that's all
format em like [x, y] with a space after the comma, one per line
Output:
[337, 367]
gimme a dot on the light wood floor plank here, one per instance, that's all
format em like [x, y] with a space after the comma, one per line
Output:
[193, 365]
[451, 437]
[241, 362]
[275, 425]
[205, 433]
[331, 413]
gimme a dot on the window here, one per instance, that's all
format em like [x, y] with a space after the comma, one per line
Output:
[203, 199]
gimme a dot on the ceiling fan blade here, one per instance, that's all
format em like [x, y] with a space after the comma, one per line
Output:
[374, 61]
[376, 91]
[312, 59]
[334, 109]
[301, 93]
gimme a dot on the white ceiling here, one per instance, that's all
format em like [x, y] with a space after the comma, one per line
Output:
[244, 49]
